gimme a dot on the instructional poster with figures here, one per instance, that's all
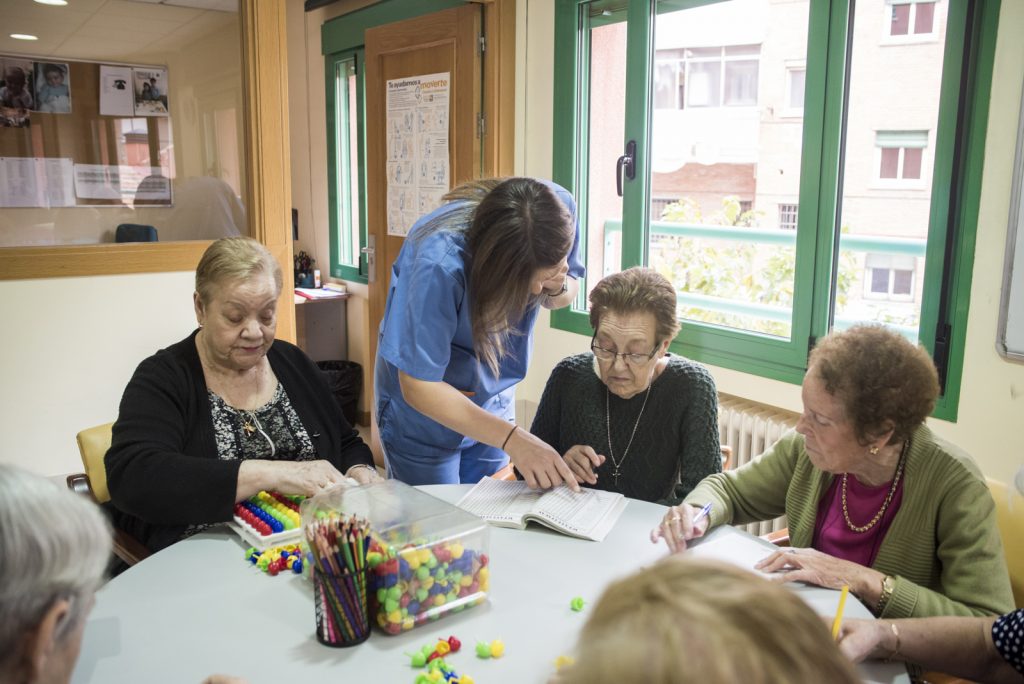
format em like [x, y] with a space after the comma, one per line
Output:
[417, 142]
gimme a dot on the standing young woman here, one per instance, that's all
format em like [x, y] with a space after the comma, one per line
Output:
[457, 331]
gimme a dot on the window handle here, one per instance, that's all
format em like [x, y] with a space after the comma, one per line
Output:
[627, 163]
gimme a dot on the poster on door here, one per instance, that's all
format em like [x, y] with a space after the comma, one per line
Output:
[417, 144]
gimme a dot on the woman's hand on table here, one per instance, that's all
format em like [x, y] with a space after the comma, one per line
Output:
[363, 474]
[288, 477]
[582, 461]
[540, 465]
[677, 527]
[820, 569]
[863, 639]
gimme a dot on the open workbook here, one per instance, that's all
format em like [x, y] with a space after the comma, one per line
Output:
[589, 514]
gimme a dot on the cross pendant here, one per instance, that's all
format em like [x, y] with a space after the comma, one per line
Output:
[615, 474]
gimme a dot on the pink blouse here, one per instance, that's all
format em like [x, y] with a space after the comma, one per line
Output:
[834, 537]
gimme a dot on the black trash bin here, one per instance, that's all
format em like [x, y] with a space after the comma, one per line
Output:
[345, 378]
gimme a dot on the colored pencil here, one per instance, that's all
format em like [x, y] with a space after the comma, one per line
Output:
[838, 620]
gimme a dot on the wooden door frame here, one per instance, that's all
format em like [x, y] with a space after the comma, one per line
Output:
[268, 180]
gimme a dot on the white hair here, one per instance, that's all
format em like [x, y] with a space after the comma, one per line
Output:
[54, 544]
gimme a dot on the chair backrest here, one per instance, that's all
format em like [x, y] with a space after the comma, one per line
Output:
[135, 232]
[1010, 517]
[93, 444]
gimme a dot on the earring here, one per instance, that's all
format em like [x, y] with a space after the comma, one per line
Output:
[873, 450]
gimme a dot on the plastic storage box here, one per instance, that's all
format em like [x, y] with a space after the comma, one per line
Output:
[426, 558]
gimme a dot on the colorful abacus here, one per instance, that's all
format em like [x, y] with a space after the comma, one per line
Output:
[269, 518]
[270, 512]
[422, 582]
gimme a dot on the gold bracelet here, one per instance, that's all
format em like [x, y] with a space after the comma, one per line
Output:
[896, 632]
[888, 586]
[509, 436]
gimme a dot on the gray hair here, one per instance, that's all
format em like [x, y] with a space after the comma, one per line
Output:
[54, 544]
[234, 258]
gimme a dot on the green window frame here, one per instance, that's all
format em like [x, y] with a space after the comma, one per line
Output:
[959, 151]
[347, 258]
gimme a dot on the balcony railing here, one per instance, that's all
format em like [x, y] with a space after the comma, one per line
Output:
[874, 244]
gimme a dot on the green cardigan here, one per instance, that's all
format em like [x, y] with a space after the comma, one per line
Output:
[943, 545]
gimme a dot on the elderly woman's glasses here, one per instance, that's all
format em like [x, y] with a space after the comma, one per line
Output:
[630, 359]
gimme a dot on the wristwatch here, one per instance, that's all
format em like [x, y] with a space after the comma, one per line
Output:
[888, 586]
[565, 288]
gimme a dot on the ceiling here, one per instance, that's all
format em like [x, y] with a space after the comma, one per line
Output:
[114, 30]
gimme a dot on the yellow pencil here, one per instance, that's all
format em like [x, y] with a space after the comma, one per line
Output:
[839, 611]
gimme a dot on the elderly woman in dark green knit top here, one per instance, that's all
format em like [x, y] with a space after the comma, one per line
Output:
[630, 417]
[874, 499]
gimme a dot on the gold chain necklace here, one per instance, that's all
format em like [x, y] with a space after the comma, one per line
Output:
[888, 497]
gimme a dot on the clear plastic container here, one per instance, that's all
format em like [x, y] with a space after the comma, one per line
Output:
[426, 558]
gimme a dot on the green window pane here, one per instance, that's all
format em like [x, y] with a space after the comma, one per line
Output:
[892, 113]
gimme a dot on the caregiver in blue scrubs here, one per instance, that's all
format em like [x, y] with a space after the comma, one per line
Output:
[457, 332]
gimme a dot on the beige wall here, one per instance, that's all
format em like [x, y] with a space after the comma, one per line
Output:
[70, 346]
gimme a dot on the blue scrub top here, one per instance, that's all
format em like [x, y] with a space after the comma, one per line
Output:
[426, 333]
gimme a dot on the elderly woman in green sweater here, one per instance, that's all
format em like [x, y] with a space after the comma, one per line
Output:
[874, 499]
[630, 417]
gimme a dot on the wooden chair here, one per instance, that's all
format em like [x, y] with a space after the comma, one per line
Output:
[92, 445]
[778, 537]
[1010, 518]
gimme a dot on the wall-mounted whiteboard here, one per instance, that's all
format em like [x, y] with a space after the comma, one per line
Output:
[1010, 340]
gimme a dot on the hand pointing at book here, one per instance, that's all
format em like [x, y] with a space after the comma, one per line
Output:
[539, 464]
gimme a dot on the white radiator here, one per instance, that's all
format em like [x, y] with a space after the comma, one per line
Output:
[749, 428]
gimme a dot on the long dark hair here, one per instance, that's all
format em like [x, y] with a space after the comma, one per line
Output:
[514, 227]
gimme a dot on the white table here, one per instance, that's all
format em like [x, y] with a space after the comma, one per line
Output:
[198, 608]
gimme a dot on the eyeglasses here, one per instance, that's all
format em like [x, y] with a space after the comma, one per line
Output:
[630, 359]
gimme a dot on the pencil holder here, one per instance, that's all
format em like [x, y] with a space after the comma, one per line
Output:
[342, 618]
[424, 558]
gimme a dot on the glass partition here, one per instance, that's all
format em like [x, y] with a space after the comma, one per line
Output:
[130, 128]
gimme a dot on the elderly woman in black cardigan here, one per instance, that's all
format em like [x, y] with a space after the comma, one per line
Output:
[226, 412]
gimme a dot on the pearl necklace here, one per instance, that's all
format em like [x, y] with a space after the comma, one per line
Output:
[608, 426]
[888, 497]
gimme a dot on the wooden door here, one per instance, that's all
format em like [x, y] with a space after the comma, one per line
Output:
[437, 43]
[443, 42]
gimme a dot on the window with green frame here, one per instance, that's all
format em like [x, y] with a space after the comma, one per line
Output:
[345, 176]
[883, 158]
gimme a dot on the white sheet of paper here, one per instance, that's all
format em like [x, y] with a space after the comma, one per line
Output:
[725, 544]
[116, 96]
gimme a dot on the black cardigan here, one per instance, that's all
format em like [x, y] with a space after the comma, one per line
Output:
[163, 470]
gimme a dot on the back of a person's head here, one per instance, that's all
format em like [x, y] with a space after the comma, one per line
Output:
[54, 545]
[687, 620]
